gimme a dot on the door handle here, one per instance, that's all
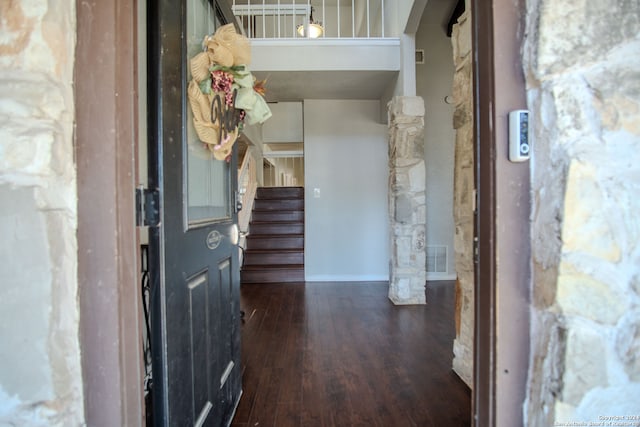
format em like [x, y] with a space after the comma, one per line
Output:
[234, 234]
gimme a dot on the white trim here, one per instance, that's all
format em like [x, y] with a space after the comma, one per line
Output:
[270, 9]
[327, 55]
[346, 278]
[441, 276]
[226, 373]
[326, 41]
[371, 278]
[235, 408]
[203, 414]
[280, 154]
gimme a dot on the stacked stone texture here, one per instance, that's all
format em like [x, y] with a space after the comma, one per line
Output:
[407, 210]
[40, 379]
[582, 66]
[463, 199]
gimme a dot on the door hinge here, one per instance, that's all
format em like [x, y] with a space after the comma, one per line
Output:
[475, 201]
[475, 250]
[147, 207]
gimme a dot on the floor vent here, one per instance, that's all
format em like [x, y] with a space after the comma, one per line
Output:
[437, 259]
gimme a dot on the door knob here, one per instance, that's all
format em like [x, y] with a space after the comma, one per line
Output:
[234, 234]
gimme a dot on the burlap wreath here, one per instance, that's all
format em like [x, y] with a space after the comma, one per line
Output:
[221, 70]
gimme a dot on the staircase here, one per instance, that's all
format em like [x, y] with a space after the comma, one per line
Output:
[275, 243]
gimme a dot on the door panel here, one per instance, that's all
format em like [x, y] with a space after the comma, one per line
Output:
[193, 258]
[199, 303]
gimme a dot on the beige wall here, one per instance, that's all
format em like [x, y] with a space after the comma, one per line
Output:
[341, 247]
[434, 85]
[463, 198]
[40, 378]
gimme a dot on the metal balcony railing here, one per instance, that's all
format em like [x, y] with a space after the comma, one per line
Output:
[273, 19]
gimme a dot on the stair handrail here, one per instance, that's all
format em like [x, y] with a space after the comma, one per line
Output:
[247, 187]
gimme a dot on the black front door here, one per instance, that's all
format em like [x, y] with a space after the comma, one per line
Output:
[193, 253]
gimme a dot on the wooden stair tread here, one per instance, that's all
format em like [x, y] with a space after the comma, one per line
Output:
[278, 223]
[274, 236]
[275, 242]
[271, 251]
[274, 267]
[301, 209]
[280, 192]
[275, 224]
[276, 199]
[274, 257]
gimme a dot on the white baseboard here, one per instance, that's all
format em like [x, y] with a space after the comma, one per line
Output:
[370, 277]
[441, 276]
[346, 278]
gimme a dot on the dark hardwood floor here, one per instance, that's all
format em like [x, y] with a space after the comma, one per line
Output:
[341, 354]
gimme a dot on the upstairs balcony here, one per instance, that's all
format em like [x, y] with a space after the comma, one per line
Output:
[325, 49]
[269, 19]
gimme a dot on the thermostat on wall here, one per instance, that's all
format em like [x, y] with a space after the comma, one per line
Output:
[519, 139]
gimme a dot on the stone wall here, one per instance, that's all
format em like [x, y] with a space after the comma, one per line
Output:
[40, 378]
[582, 67]
[407, 210]
[463, 198]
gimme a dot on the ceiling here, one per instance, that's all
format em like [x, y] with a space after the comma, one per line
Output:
[299, 85]
[299, 69]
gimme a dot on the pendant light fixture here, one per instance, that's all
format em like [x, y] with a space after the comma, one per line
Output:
[312, 29]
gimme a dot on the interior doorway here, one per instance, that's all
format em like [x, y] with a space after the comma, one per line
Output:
[444, 81]
[283, 146]
[122, 383]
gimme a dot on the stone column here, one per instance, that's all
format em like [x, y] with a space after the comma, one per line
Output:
[582, 88]
[463, 198]
[407, 212]
[41, 375]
